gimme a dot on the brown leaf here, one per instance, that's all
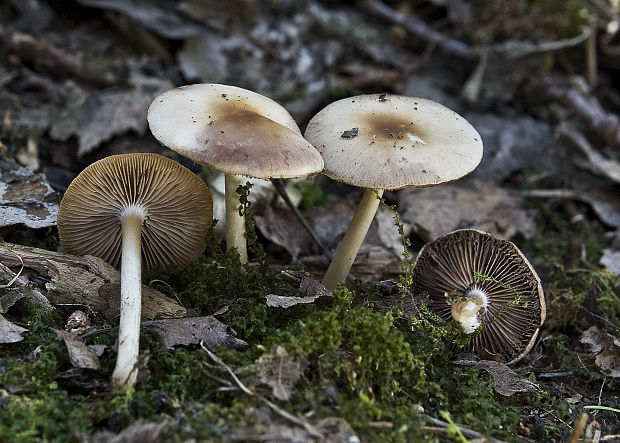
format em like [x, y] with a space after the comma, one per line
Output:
[280, 370]
[191, 331]
[10, 333]
[507, 383]
[280, 226]
[309, 287]
[607, 350]
[80, 355]
[441, 209]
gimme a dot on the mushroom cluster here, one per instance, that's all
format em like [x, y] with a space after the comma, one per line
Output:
[478, 281]
[136, 211]
[385, 142]
[234, 131]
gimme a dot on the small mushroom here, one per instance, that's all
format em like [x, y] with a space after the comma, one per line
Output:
[398, 142]
[478, 280]
[234, 131]
[132, 209]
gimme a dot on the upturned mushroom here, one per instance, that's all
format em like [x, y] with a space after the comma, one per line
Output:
[382, 142]
[234, 131]
[136, 211]
[478, 280]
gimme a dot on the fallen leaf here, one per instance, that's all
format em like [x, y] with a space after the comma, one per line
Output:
[25, 197]
[281, 227]
[513, 144]
[95, 117]
[280, 370]
[309, 287]
[507, 383]
[470, 204]
[283, 301]
[606, 347]
[80, 355]
[10, 333]
[191, 331]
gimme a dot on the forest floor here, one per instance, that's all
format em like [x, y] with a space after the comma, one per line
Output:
[274, 356]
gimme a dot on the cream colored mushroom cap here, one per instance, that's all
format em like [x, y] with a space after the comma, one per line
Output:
[401, 142]
[178, 207]
[232, 130]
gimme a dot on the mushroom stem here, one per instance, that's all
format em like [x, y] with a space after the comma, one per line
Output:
[125, 372]
[353, 239]
[235, 223]
[466, 311]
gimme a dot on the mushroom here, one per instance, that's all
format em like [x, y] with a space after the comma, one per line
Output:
[381, 142]
[234, 131]
[132, 209]
[478, 280]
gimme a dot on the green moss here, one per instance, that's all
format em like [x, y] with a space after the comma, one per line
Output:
[313, 195]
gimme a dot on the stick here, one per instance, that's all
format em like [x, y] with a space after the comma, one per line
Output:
[287, 415]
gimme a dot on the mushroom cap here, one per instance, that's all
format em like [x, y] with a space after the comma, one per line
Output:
[446, 267]
[177, 205]
[232, 130]
[393, 142]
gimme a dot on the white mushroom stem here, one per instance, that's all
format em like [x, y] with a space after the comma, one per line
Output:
[467, 310]
[235, 223]
[126, 371]
[349, 246]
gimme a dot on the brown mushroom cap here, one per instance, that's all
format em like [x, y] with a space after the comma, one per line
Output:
[445, 268]
[393, 142]
[232, 130]
[178, 208]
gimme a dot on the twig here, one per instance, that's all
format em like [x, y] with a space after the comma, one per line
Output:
[555, 374]
[277, 183]
[287, 415]
[466, 432]
[419, 28]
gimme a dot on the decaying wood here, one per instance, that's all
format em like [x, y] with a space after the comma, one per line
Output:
[87, 280]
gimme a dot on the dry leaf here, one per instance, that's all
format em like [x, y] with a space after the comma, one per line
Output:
[606, 347]
[10, 333]
[25, 197]
[507, 383]
[280, 226]
[513, 144]
[80, 355]
[280, 370]
[191, 331]
[473, 204]
[310, 289]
